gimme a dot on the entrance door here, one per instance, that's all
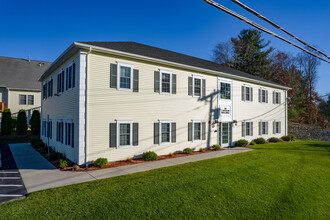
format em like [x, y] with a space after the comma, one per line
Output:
[225, 133]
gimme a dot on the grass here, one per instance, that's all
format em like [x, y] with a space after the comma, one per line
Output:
[275, 181]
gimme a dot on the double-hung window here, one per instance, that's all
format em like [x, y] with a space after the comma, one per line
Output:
[49, 129]
[263, 128]
[44, 90]
[247, 128]
[165, 132]
[277, 127]
[276, 97]
[50, 88]
[263, 95]
[247, 93]
[30, 99]
[197, 86]
[59, 131]
[124, 129]
[225, 90]
[69, 133]
[60, 82]
[44, 127]
[22, 99]
[125, 76]
[166, 82]
[70, 76]
[197, 130]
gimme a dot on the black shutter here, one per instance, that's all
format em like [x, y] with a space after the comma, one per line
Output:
[66, 133]
[243, 94]
[173, 134]
[113, 135]
[280, 127]
[62, 83]
[62, 131]
[279, 98]
[267, 127]
[190, 82]
[251, 89]
[135, 80]
[52, 85]
[135, 134]
[204, 88]
[156, 133]
[266, 96]
[156, 81]
[189, 131]
[113, 75]
[251, 128]
[243, 129]
[260, 128]
[74, 74]
[67, 78]
[58, 83]
[260, 94]
[72, 136]
[173, 83]
[203, 131]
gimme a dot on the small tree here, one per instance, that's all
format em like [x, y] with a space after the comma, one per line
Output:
[6, 122]
[35, 122]
[21, 122]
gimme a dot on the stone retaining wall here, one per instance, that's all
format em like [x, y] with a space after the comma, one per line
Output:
[302, 131]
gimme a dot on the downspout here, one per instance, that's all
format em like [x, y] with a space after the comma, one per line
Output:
[86, 112]
[286, 112]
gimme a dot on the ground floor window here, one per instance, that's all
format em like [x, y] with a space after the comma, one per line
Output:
[59, 131]
[165, 129]
[247, 128]
[277, 127]
[44, 127]
[263, 128]
[69, 133]
[197, 126]
[124, 135]
[49, 129]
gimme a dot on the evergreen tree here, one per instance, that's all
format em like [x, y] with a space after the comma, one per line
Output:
[35, 122]
[6, 122]
[21, 122]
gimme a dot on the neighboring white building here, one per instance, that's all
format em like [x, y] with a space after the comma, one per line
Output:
[120, 99]
[19, 86]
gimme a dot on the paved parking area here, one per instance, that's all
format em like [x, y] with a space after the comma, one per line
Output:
[11, 183]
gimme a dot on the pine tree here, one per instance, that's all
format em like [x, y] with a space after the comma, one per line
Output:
[21, 122]
[35, 122]
[6, 122]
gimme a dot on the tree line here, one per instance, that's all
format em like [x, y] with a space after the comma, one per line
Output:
[251, 53]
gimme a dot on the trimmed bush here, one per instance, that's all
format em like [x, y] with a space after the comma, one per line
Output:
[63, 163]
[55, 155]
[286, 138]
[241, 143]
[21, 122]
[150, 155]
[252, 143]
[274, 140]
[260, 140]
[187, 150]
[38, 144]
[291, 136]
[6, 125]
[215, 147]
[35, 122]
[201, 149]
[101, 162]
[13, 124]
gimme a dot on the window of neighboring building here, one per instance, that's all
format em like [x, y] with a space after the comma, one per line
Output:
[59, 131]
[30, 99]
[69, 133]
[125, 76]
[225, 90]
[22, 99]
[166, 82]
[197, 86]
[124, 136]
[197, 130]
[248, 128]
[165, 130]
[277, 97]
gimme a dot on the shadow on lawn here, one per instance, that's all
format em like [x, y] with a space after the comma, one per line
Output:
[298, 147]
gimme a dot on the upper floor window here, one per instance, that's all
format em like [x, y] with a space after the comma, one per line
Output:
[70, 76]
[263, 95]
[30, 99]
[247, 93]
[44, 91]
[225, 90]
[197, 86]
[125, 81]
[22, 99]
[166, 82]
[60, 82]
[50, 88]
[276, 97]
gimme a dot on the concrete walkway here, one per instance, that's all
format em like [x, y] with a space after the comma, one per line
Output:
[39, 174]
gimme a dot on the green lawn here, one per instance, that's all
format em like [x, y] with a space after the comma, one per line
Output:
[275, 181]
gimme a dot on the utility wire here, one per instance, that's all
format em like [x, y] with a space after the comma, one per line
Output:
[277, 26]
[221, 7]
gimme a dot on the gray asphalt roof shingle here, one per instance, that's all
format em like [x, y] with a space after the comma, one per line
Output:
[154, 52]
[20, 73]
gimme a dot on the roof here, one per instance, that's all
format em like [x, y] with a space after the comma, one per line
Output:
[154, 52]
[16, 73]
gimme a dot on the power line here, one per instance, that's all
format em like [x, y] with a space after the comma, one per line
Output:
[221, 7]
[277, 26]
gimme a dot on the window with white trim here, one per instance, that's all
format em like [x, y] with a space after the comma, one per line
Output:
[22, 99]
[44, 127]
[197, 86]
[69, 133]
[263, 128]
[263, 95]
[225, 90]
[59, 131]
[197, 130]
[60, 82]
[44, 90]
[165, 131]
[50, 88]
[248, 128]
[30, 99]
[125, 76]
[277, 97]
[277, 127]
[166, 82]
[70, 77]
[124, 133]
[248, 93]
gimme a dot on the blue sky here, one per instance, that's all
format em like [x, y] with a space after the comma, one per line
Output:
[44, 29]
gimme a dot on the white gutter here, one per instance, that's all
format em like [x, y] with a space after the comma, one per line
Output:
[226, 75]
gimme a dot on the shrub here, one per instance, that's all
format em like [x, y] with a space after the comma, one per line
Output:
[21, 122]
[187, 150]
[260, 140]
[252, 143]
[13, 124]
[201, 149]
[6, 122]
[63, 163]
[241, 143]
[215, 147]
[38, 144]
[101, 162]
[150, 155]
[44, 149]
[286, 138]
[291, 136]
[55, 155]
[35, 122]
[274, 140]
[34, 141]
